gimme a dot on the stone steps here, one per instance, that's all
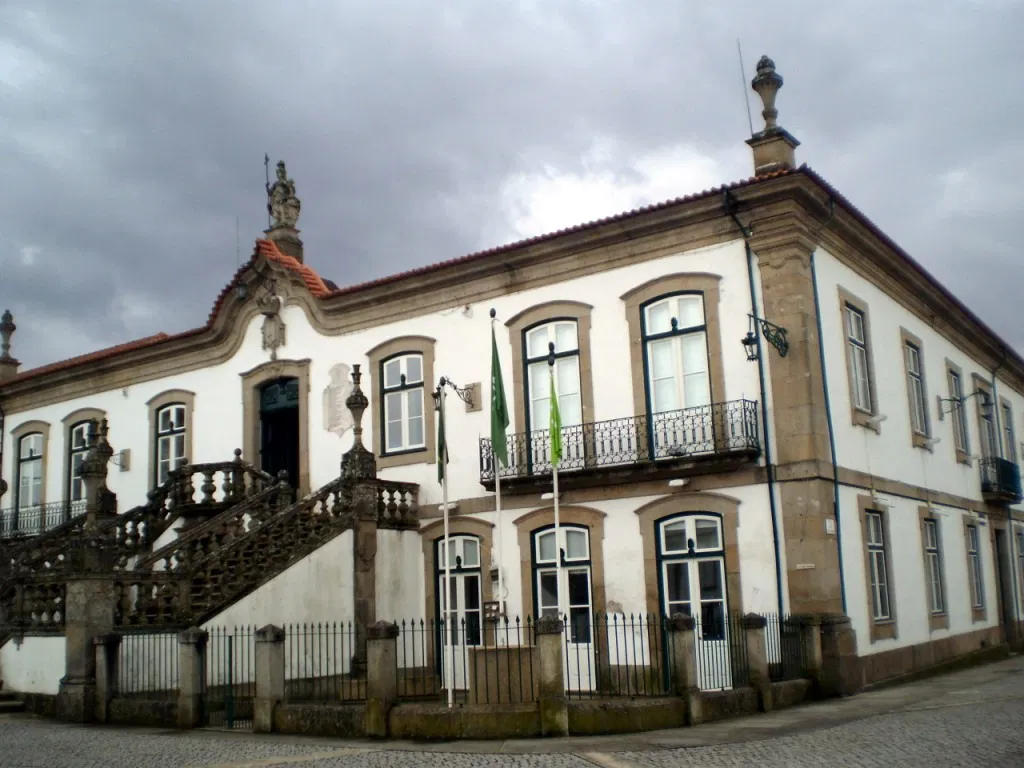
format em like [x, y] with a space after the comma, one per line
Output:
[9, 702]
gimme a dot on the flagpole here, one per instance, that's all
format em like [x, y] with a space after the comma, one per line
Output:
[497, 507]
[449, 649]
[554, 473]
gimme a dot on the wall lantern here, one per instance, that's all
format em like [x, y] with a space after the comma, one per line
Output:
[773, 334]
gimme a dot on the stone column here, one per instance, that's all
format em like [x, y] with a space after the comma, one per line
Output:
[757, 659]
[840, 666]
[191, 676]
[810, 644]
[269, 676]
[682, 647]
[381, 676]
[554, 704]
[108, 648]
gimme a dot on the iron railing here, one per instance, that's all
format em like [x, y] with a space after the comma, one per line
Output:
[148, 665]
[322, 660]
[721, 650]
[612, 655]
[32, 521]
[1001, 478]
[784, 648]
[489, 662]
[229, 680]
[708, 430]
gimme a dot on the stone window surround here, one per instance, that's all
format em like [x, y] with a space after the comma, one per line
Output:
[155, 404]
[963, 456]
[652, 514]
[540, 314]
[420, 345]
[251, 382]
[72, 420]
[918, 439]
[878, 630]
[979, 613]
[25, 429]
[985, 386]
[858, 416]
[936, 621]
[707, 284]
[1008, 446]
[430, 535]
[527, 525]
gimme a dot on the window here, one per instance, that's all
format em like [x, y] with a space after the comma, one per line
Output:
[956, 395]
[915, 386]
[857, 355]
[1020, 560]
[986, 417]
[461, 604]
[676, 347]
[30, 471]
[402, 394]
[78, 446]
[974, 566]
[170, 440]
[563, 334]
[933, 562]
[691, 555]
[879, 579]
[1009, 439]
[567, 590]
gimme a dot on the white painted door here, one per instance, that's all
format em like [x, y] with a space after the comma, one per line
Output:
[461, 610]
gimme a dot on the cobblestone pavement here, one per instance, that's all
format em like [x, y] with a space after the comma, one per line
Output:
[971, 719]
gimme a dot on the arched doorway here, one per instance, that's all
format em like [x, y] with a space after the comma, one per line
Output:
[279, 427]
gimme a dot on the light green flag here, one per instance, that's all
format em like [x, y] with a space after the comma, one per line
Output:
[556, 427]
[499, 408]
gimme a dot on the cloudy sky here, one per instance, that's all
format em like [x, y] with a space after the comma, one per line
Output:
[132, 135]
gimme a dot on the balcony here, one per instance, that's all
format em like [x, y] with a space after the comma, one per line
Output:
[1000, 480]
[31, 521]
[708, 438]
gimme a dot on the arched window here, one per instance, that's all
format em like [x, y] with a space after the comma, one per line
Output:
[565, 590]
[691, 563]
[536, 340]
[461, 600]
[30, 473]
[402, 393]
[78, 446]
[170, 440]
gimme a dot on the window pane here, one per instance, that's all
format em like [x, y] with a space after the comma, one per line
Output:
[576, 545]
[472, 592]
[707, 535]
[413, 369]
[661, 359]
[470, 553]
[164, 420]
[579, 589]
[394, 438]
[677, 582]
[31, 446]
[659, 317]
[675, 537]
[698, 390]
[415, 432]
[546, 546]
[537, 342]
[393, 373]
[565, 337]
[666, 396]
[694, 352]
[179, 448]
[567, 377]
[710, 574]
[548, 592]
[691, 311]
[414, 402]
[712, 620]
[579, 624]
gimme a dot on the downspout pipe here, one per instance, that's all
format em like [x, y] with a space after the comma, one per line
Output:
[769, 467]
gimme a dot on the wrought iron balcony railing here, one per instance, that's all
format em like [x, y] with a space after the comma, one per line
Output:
[1000, 480]
[31, 521]
[706, 431]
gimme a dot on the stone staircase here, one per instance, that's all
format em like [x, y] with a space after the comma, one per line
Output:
[10, 703]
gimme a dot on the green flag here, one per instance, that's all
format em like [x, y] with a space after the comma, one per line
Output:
[499, 408]
[442, 446]
[556, 427]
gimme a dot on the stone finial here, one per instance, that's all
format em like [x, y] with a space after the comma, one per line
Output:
[357, 463]
[284, 208]
[8, 365]
[774, 147]
[357, 403]
[767, 83]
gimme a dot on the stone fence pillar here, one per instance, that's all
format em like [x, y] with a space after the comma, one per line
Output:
[757, 659]
[381, 676]
[554, 704]
[840, 666]
[269, 676]
[108, 653]
[809, 626]
[191, 676]
[683, 653]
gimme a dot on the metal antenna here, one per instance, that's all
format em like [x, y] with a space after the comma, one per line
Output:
[743, 86]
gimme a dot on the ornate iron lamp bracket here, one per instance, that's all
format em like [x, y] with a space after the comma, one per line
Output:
[465, 394]
[773, 334]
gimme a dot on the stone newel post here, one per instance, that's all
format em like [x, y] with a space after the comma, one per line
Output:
[840, 667]
[191, 672]
[554, 705]
[682, 647]
[757, 659]
[381, 676]
[108, 648]
[269, 676]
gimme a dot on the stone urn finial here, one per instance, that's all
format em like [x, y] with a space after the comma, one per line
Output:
[7, 329]
[767, 83]
[357, 403]
[357, 463]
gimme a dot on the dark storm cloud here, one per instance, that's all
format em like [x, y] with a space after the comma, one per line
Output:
[132, 134]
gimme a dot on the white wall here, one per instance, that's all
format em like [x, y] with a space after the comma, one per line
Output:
[35, 665]
[399, 575]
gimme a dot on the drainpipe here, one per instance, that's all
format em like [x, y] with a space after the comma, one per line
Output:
[769, 468]
[997, 414]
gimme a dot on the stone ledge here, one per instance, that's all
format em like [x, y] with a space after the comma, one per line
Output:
[722, 705]
[790, 693]
[596, 717]
[435, 722]
[315, 719]
[162, 714]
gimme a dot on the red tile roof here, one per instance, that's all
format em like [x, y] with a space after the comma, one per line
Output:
[92, 357]
[269, 250]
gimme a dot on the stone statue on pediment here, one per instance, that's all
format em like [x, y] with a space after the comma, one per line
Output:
[273, 326]
[283, 205]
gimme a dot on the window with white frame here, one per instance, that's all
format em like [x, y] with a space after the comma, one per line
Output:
[170, 440]
[933, 559]
[915, 384]
[461, 604]
[78, 446]
[676, 350]
[989, 435]
[691, 554]
[974, 561]
[857, 352]
[564, 335]
[956, 395]
[879, 575]
[30, 471]
[402, 393]
[1009, 438]
[562, 578]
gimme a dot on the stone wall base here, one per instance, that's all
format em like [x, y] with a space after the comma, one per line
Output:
[155, 713]
[340, 720]
[42, 704]
[595, 717]
[722, 705]
[947, 654]
[434, 722]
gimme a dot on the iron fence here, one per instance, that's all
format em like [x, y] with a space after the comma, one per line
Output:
[488, 662]
[718, 428]
[148, 665]
[617, 655]
[784, 648]
[34, 520]
[325, 662]
[229, 684]
[721, 650]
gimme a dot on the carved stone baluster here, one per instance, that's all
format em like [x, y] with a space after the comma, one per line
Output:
[209, 487]
[404, 511]
[188, 490]
[237, 476]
